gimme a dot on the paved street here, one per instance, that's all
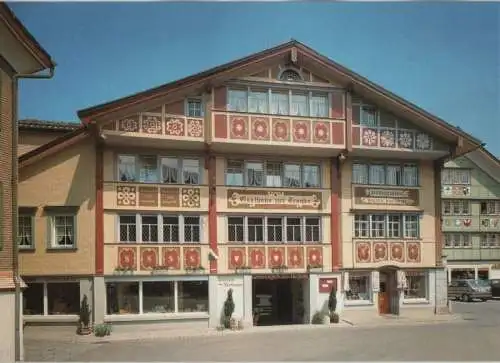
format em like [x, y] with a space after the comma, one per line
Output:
[475, 338]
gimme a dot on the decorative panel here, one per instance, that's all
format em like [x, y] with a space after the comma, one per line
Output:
[237, 257]
[172, 258]
[259, 199]
[314, 256]
[295, 257]
[257, 257]
[363, 252]
[261, 129]
[149, 257]
[192, 257]
[276, 257]
[397, 252]
[392, 138]
[127, 258]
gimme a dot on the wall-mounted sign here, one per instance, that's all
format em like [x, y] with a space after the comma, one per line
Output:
[257, 199]
[375, 281]
[369, 195]
[327, 284]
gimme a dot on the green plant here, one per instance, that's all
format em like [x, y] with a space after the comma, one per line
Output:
[334, 318]
[317, 318]
[314, 265]
[332, 301]
[84, 317]
[228, 309]
[102, 330]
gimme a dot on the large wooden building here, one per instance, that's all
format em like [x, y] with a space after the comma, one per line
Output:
[280, 175]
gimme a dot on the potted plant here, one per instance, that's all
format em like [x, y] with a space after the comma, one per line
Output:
[84, 318]
[102, 330]
[228, 309]
[332, 307]
[317, 318]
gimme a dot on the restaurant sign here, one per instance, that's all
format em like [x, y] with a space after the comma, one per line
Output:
[386, 196]
[256, 199]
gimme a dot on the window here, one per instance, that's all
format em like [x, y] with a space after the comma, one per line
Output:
[359, 287]
[52, 298]
[290, 75]
[194, 108]
[457, 240]
[128, 228]
[381, 174]
[290, 229]
[368, 116]
[490, 207]
[161, 297]
[25, 232]
[158, 297]
[391, 225]
[63, 231]
[279, 102]
[490, 240]
[456, 207]
[156, 228]
[416, 285]
[193, 296]
[153, 169]
[455, 176]
[272, 174]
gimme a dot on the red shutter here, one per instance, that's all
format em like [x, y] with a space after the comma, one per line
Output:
[337, 105]
[220, 98]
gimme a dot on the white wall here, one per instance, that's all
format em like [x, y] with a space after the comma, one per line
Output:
[7, 327]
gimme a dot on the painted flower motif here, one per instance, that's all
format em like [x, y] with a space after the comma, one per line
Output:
[126, 195]
[369, 137]
[380, 251]
[281, 131]
[260, 129]
[174, 127]
[126, 258]
[237, 258]
[148, 259]
[195, 128]
[294, 257]
[363, 252]
[171, 258]
[276, 257]
[405, 140]
[192, 257]
[301, 131]
[423, 141]
[314, 256]
[257, 258]
[239, 128]
[413, 252]
[151, 125]
[387, 138]
[128, 125]
[321, 132]
[397, 251]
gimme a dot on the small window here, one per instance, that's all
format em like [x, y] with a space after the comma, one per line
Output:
[280, 104]
[313, 232]
[312, 176]
[171, 229]
[63, 231]
[258, 102]
[191, 171]
[128, 228]
[360, 174]
[237, 100]
[273, 174]
[293, 229]
[149, 225]
[292, 175]
[127, 168]
[368, 116]
[170, 170]
[255, 174]
[192, 229]
[235, 172]
[235, 228]
[148, 169]
[299, 105]
[25, 232]
[194, 108]
[319, 105]
[255, 229]
[290, 75]
[274, 229]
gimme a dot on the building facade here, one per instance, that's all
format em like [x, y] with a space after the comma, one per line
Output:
[280, 176]
[20, 56]
[471, 215]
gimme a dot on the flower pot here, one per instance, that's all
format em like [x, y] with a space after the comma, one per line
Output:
[334, 318]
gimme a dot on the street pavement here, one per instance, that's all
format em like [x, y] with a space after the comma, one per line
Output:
[475, 337]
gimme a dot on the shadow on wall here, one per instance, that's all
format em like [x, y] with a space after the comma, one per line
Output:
[79, 180]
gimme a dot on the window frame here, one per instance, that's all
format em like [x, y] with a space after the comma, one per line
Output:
[140, 282]
[461, 239]
[31, 246]
[410, 300]
[488, 206]
[451, 176]
[283, 177]
[288, 91]
[450, 205]
[359, 222]
[45, 298]
[284, 229]
[486, 243]
[367, 166]
[52, 245]
[187, 107]
[159, 168]
[369, 301]
[160, 223]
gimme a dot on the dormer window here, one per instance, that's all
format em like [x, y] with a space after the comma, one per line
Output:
[290, 75]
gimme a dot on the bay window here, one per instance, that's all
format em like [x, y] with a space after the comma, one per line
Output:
[273, 229]
[385, 174]
[160, 297]
[391, 225]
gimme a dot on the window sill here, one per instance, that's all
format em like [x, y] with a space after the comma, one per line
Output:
[415, 301]
[26, 249]
[155, 316]
[50, 318]
[349, 303]
[61, 249]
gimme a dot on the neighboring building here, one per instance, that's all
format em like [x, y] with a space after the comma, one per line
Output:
[471, 215]
[281, 175]
[35, 133]
[20, 55]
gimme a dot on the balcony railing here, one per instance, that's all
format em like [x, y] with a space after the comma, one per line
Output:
[279, 130]
[462, 191]
[471, 223]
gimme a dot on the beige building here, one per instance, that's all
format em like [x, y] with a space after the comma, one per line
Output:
[282, 176]
[20, 57]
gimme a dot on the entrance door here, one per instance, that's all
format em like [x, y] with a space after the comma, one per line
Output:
[388, 297]
[383, 298]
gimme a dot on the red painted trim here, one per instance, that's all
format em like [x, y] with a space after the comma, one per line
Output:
[437, 166]
[212, 210]
[99, 212]
[335, 228]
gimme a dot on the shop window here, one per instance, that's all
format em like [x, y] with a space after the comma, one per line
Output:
[359, 287]
[158, 297]
[33, 299]
[193, 296]
[63, 298]
[416, 285]
[122, 297]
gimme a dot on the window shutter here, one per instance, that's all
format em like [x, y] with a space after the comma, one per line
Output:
[337, 105]
[220, 98]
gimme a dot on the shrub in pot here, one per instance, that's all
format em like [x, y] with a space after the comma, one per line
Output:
[228, 309]
[332, 307]
[84, 317]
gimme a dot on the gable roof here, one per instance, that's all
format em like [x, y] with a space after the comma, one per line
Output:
[486, 161]
[25, 37]
[352, 80]
[41, 125]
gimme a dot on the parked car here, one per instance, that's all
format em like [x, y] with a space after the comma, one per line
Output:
[469, 290]
[495, 287]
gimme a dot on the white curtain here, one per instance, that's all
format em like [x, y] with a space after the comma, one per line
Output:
[299, 105]
[319, 106]
[257, 102]
[279, 104]
[237, 101]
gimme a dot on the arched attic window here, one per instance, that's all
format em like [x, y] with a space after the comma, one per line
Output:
[290, 75]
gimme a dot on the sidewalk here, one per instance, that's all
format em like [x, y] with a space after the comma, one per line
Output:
[360, 319]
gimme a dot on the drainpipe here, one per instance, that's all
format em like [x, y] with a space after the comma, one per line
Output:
[14, 183]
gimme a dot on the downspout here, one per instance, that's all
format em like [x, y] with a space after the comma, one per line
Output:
[14, 185]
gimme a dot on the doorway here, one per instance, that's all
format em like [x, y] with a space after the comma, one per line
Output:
[277, 301]
[388, 296]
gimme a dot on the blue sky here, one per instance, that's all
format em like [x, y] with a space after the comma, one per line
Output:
[444, 57]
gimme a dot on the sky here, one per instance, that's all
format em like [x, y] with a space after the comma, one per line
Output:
[444, 56]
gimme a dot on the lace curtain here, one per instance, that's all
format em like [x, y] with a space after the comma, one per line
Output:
[319, 106]
[257, 102]
[299, 105]
[279, 105]
[237, 101]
